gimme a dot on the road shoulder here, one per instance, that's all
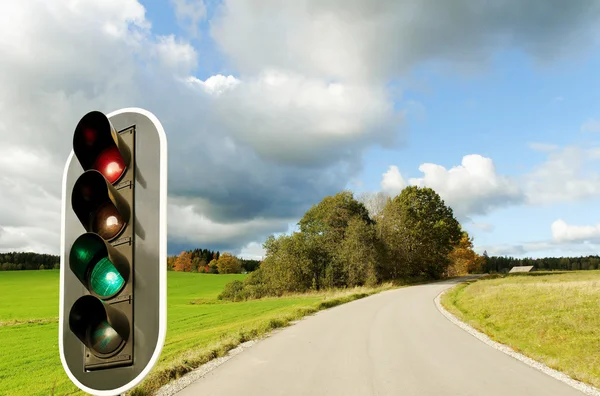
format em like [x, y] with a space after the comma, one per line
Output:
[585, 388]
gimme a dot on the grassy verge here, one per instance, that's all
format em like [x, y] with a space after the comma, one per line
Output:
[553, 318]
[200, 327]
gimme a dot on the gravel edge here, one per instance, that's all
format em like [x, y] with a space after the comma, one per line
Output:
[585, 388]
[179, 384]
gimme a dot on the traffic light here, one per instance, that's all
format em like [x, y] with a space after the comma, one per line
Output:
[112, 322]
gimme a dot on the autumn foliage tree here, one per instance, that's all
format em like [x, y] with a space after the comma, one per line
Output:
[212, 266]
[463, 258]
[171, 262]
[228, 264]
[183, 263]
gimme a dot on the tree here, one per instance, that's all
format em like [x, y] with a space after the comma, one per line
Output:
[419, 232]
[228, 264]
[463, 259]
[359, 254]
[183, 263]
[195, 263]
[212, 266]
[201, 265]
[250, 265]
[171, 263]
[322, 230]
[485, 262]
[288, 266]
[331, 216]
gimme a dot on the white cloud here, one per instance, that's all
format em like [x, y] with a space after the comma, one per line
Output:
[472, 188]
[288, 118]
[253, 251]
[176, 55]
[591, 125]
[361, 40]
[392, 182]
[215, 85]
[563, 232]
[189, 13]
[475, 188]
[567, 175]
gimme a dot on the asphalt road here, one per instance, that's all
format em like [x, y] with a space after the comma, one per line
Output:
[393, 343]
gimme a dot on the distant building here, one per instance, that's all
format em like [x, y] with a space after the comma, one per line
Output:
[527, 268]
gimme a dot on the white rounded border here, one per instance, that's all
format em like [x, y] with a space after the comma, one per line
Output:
[162, 287]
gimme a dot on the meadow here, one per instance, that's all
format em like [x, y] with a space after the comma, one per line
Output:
[553, 318]
[199, 327]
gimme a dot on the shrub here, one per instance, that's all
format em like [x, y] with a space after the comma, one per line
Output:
[233, 291]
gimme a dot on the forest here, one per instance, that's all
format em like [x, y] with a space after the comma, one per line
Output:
[28, 261]
[504, 264]
[210, 262]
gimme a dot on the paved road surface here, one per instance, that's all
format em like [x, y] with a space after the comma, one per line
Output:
[393, 343]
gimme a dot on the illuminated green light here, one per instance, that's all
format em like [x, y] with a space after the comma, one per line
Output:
[104, 338]
[105, 279]
[84, 251]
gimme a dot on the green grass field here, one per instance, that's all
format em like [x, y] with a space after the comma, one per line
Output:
[200, 327]
[552, 318]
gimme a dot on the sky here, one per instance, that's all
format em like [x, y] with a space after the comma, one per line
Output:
[270, 106]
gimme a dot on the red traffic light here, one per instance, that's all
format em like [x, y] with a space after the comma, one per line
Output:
[98, 146]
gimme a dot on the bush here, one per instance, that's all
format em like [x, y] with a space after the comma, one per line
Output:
[233, 291]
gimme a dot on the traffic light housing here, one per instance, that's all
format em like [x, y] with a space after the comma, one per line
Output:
[112, 310]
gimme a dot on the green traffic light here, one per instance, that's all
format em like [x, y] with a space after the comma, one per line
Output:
[105, 279]
[91, 262]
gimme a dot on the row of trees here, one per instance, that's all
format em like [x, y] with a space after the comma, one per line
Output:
[197, 261]
[346, 242]
[28, 261]
[504, 264]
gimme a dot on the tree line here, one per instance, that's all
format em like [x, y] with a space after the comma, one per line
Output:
[210, 262]
[28, 261]
[504, 264]
[345, 241]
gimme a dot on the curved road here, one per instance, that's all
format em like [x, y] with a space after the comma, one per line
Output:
[392, 343]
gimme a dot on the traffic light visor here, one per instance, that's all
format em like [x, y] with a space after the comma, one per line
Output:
[99, 266]
[98, 146]
[102, 328]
